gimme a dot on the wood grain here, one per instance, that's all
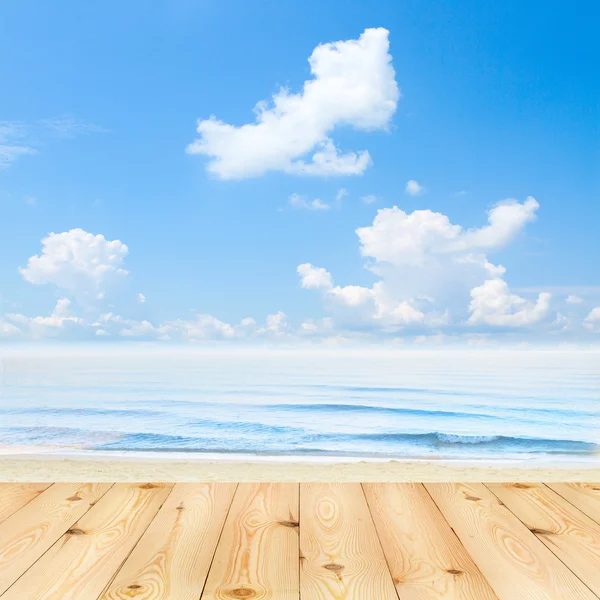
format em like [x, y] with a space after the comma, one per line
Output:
[257, 556]
[341, 553]
[585, 496]
[172, 559]
[29, 532]
[564, 529]
[515, 563]
[426, 559]
[85, 559]
[14, 496]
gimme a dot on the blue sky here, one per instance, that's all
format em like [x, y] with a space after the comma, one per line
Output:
[476, 103]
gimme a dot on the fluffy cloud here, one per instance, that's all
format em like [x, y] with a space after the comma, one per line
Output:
[85, 265]
[413, 188]
[592, 321]
[373, 303]
[432, 272]
[61, 322]
[422, 236]
[493, 304]
[571, 299]
[314, 278]
[353, 85]
[201, 328]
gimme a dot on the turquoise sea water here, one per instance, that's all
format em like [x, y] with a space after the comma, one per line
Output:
[402, 404]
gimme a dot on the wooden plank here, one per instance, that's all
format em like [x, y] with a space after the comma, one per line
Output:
[14, 496]
[515, 563]
[585, 496]
[257, 556]
[341, 553]
[29, 532]
[426, 559]
[84, 560]
[565, 530]
[173, 557]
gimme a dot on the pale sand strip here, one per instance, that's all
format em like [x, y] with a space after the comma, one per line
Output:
[58, 469]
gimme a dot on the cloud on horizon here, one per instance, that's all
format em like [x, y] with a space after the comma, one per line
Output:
[434, 284]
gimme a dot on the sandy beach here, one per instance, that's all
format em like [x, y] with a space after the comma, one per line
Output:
[27, 467]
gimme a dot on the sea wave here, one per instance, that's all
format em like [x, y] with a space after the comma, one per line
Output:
[282, 440]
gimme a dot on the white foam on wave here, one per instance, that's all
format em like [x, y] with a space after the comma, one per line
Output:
[466, 439]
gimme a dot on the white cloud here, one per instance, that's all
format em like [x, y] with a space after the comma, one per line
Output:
[141, 298]
[436, 339]
[412, 239]
[374, 303]
[353, 85]
[493, 304]
[8, 330]
[572, 299]
[201, 328]
[61, 322]
[369, 199]
[312, 327]
[430, 271]
[413, 188]
[314, 278]
[277, 324]
[301, 203]
[86, 265]
[561, 324]
[592, 321]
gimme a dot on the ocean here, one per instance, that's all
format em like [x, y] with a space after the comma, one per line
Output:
[448, 404]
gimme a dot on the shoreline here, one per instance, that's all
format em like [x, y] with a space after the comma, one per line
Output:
[54, 466]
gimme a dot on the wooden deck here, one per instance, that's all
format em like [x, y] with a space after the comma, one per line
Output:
[284, 541]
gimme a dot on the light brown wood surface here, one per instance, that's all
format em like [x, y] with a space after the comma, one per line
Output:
[14, 496]
[426, 559]
[28, 533]
[515, 563]
[84, 560]
[564, 529]
[285, 541]
[257, 555]
[341, 554]
[585, 496]
[172, 558]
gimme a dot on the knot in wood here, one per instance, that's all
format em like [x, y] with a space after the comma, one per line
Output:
[289, 523]
[454, 572]
[75, 531]
[242, 593]
[541, 531]
[333, 567]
